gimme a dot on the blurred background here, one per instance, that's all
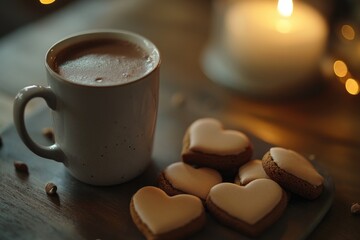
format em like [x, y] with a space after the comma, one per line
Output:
[29, 27]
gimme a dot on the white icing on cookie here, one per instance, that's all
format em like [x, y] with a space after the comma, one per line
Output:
[248, 203]
[250, 171]
[191, 180]
[296, 164]
[161, 213]
[208, 136]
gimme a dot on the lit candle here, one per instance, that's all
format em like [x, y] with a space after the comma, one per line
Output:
[274, 48]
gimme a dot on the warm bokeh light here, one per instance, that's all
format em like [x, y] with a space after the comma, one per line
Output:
[340, 68]
[285, 7]
[46, 1]
[352, 86]
[348, 32]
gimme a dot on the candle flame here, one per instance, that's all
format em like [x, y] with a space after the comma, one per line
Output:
[285, 7]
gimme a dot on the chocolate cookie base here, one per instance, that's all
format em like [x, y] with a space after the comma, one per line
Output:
[290, 182]
[227, 165]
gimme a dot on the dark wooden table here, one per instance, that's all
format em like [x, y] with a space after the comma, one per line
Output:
[324, 125]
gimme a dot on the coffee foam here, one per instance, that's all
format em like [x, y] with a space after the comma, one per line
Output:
[104, 63]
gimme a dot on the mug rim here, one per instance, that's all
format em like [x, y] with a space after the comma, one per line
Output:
[96, 34]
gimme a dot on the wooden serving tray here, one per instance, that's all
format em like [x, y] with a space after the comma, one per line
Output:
[80, 211]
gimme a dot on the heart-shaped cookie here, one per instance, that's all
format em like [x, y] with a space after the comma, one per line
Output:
[187, 179]
[157, 214]
[250, 171]
[251, 208]
[296, 164]
[208, 136]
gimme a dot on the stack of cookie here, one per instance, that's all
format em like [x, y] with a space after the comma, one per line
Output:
[253, 199]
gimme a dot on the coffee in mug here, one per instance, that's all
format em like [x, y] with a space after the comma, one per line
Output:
[103, 62]
[103, 95]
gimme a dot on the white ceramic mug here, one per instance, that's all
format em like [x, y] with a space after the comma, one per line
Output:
[103, 135]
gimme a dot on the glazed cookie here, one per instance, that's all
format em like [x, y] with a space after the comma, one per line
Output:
[293, 172]
[250, 171]
[207, 144]
[250, 209]
[159, 216]
[180, 178]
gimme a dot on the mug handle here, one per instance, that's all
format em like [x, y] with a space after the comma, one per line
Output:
[22, 98]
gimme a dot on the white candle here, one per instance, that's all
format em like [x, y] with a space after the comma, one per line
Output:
[274, 50]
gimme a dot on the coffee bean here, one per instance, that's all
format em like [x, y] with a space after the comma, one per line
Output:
[355, 208]
[50, 188]
[21, 167]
